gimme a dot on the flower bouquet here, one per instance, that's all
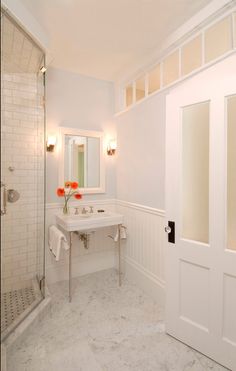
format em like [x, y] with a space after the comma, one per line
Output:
[70, 189]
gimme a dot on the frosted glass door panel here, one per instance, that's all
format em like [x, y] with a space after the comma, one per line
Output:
[231, 168]
[195, 172]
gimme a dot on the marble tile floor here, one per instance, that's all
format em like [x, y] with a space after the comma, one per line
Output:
[105, 328]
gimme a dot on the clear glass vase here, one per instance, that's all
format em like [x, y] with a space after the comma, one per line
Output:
[66, 209]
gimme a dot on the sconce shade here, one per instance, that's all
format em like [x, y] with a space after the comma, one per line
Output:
[111, 147]
[51, 141]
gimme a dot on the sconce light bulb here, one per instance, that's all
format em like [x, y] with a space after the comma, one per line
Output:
[51, 141]
[111, 148]
[113, 144]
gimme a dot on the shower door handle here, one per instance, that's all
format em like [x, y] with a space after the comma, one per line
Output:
[3, 199]
[10, 195]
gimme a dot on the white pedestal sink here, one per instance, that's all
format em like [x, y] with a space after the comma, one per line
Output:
[85, 222]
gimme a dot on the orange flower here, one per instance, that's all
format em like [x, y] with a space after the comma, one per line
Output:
[60, 192]
[74, 185]
[78, 196]
[67, 184]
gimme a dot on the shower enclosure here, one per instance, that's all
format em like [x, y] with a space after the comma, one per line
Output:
[22, 175]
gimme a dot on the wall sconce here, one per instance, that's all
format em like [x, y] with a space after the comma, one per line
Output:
[111, 147]
[51, 142]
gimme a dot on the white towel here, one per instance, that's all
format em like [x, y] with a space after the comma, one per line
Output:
[123, 235]
[56, 240]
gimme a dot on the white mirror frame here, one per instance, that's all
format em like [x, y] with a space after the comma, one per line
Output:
[61, 171]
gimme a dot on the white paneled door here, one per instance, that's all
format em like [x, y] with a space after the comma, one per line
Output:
[201, 213]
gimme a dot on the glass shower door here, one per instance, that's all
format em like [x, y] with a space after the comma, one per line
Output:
[22, 175]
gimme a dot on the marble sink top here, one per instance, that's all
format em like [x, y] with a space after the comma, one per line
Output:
[84, 222]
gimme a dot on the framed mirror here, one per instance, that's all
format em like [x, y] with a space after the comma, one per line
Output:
[82, 159]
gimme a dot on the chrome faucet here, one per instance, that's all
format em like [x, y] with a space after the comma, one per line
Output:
[91, 209]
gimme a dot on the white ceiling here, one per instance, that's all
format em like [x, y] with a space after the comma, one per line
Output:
[104, 38]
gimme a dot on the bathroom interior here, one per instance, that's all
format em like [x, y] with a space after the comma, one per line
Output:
[118, 185]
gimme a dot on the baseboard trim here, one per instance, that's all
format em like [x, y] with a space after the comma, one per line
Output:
[151, 284]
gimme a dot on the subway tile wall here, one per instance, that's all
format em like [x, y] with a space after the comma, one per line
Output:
[22, 162]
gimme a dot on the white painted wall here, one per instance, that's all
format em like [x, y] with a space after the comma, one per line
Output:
[141, 153]
[141, 192]
[84, 103]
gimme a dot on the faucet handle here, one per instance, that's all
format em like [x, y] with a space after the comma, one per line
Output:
[76, 210]
[91, 209]
[84, 211]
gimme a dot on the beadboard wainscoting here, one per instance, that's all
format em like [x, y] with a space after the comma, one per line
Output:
[143, 251]
[99, 256]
